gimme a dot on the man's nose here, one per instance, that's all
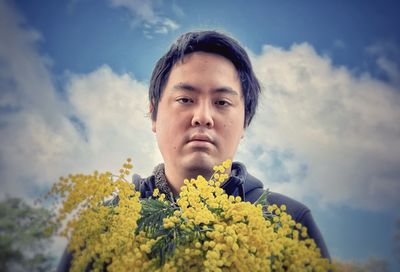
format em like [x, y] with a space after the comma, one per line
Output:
[203, 115]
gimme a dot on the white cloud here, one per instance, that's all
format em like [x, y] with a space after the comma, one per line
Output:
[177, 10]
[323, 132]
[390, 68]
[39, 140]
[32, 118]
[386, 54]
[339, 44]
[145, 12]
[114, 110]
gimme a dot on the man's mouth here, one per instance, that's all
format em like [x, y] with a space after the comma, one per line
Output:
[200, 137]
[201, 140]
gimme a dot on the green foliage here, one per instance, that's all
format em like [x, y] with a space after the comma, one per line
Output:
[151, 221]
[168, 239]
[263, 201]
[152, 214]
[25, 231]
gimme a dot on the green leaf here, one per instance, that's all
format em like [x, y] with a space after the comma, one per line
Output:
[262, 200]
[152, 214]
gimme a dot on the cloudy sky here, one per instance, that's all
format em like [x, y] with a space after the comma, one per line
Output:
[73, 97]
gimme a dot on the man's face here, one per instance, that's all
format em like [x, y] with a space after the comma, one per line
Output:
[200, 118]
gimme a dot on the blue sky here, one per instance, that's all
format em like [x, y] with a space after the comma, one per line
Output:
[74, 77]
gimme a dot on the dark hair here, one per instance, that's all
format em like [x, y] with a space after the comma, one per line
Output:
[209, 42]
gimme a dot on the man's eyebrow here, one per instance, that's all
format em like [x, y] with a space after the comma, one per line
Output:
[191, 88]
[184, 87]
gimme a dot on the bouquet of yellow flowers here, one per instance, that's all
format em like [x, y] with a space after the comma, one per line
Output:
[110, 228]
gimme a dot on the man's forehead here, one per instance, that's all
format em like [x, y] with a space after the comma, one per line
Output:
[203, 58]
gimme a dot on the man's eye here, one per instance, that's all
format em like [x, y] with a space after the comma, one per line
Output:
[222, 103]
[184, 100]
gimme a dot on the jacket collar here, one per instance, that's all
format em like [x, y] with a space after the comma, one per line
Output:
[238, 184]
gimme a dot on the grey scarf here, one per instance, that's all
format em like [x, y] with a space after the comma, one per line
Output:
[162, 183]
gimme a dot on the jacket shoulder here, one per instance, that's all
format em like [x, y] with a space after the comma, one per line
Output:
[253, 188]
[301, 214]
[145, 186]
[293, 207]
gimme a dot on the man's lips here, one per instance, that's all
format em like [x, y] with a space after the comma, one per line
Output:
[199, 138]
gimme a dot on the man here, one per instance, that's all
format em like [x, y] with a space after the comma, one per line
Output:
[203, 95]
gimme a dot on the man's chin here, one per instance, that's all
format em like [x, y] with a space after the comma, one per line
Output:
[199, 165]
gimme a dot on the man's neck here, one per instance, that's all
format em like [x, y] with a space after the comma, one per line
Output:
[176, 177]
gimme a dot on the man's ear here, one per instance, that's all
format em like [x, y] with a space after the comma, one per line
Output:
[153, 123]
[243, 132]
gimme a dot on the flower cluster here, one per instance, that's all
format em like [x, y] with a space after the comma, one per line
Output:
[205, 230]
